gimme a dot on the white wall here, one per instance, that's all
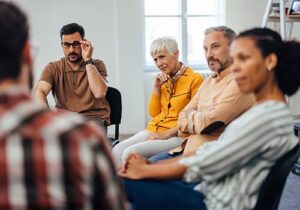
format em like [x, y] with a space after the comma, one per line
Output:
[130, 63]
[115, 28]
[242, 14]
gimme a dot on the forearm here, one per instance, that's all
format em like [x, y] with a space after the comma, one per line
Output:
[169, 169]
[41, 98]
[97, 83]
[171, 132]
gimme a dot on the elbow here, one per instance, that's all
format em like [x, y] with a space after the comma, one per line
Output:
[213, 127]
[99, 95]
[151, 114]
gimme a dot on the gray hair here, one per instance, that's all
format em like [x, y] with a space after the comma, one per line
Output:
[163, 43]
[228, 33]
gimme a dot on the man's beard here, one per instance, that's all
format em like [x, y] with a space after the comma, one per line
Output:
[221, 65]
[78, 59]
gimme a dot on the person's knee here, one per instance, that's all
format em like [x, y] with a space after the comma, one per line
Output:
[126, 152]
[117, 153]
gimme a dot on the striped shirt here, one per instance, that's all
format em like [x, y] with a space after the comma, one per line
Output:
[232, 169]
[52, 160]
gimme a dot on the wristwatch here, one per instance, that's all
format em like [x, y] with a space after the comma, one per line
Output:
[89, 61]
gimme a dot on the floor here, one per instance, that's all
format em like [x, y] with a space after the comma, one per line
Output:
[290, 199]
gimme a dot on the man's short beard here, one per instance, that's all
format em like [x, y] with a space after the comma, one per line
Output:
[79, 58]
[222, 65]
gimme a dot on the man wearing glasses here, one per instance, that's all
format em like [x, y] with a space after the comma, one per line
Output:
[77, 81]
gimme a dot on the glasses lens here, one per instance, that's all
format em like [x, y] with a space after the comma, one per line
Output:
[67, 45]
[76, 44]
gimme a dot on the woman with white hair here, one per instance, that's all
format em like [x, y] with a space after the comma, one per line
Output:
[173, 88]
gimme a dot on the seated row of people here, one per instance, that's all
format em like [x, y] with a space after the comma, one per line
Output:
[228, 173]
[184, 120]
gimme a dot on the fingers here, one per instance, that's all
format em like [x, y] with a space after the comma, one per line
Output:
[87, 49]
[151, 137]
[126, 161]
[86, 45]
[162, 77]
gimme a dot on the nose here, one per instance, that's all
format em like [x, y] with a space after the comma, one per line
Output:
[235, 67]
[71, 48]
[159, 62]
[208, 53]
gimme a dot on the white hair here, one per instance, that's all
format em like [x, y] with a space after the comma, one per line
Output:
[163, 43]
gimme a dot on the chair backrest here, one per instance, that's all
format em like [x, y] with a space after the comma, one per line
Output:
[114, 98]
[272, 187]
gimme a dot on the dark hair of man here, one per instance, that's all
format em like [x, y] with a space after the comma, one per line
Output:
[13, 35]
[287, 71]
[71, 29]
[228, 33]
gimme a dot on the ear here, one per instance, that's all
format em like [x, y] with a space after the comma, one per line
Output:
[176, 54]
[271, 61]
[26, 54]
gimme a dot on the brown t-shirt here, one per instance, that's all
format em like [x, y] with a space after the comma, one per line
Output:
[71, 89]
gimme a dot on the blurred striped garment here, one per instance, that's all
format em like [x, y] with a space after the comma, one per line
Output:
[53, 160]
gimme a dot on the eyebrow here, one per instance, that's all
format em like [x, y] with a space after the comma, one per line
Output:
[72, 42]
[211, 44]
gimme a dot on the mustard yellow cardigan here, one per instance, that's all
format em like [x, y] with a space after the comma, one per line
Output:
[164, 108]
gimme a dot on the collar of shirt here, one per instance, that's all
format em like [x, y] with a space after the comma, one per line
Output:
[68, 68]
[222, 74]
[179, 73]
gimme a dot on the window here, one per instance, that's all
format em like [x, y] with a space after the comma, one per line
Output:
[185, 20]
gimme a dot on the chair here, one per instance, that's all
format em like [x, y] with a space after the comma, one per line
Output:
[272, 188]
[296, 167]
[114, 98]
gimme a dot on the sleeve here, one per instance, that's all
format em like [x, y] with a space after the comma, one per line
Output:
[48, 74]
[101, 67]
[216, 159]
[228, 106]
[196, 84]
[154, 105]
[192, 105]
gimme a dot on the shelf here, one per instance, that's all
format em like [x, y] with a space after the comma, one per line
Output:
[289, 18]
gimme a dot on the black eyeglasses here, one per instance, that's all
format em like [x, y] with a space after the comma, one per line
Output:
[67, 45]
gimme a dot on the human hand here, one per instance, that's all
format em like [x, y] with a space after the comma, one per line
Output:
[182, 134]
[160, 79]
[134, 166]
[159, 135]
[86, 49]
[188, 112]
